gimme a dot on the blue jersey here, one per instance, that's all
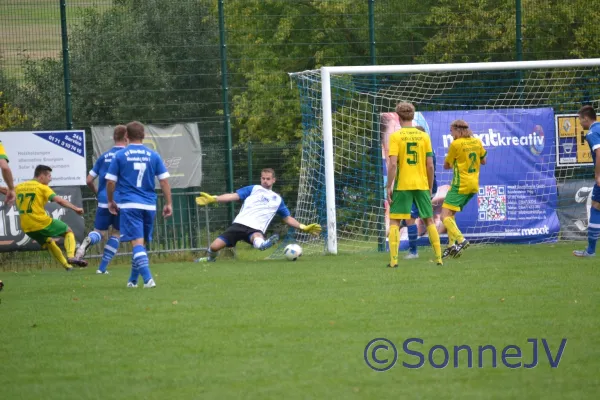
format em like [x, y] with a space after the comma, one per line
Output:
[593, 139]
[134, 169]
[99, 170]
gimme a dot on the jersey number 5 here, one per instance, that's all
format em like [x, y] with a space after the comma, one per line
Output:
[413, 156]
[21, 197]
[141, 168]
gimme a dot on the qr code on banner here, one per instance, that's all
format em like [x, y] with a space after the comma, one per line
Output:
[491, 202]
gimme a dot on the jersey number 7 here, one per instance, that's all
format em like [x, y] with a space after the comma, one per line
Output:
[141, 168]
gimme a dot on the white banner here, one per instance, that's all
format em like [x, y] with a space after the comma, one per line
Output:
[178, 145]
[63, 151]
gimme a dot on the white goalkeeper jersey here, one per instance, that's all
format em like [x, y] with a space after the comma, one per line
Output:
[259, 208]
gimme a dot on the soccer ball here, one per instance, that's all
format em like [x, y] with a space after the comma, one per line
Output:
[292, 252]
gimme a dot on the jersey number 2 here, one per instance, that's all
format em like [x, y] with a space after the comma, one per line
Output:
[473, 158]
[141, 168]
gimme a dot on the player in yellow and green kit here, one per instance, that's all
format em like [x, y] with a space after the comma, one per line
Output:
[465, 156]
[37, 224]
[410, 179]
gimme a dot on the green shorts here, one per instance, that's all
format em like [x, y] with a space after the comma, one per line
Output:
[455, 201]
[55, 229]
[402, 201]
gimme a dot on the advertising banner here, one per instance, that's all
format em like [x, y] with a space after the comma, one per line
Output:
[571, 146]
[574, 202]
[517, 197]
[178, 145]
[63, 151]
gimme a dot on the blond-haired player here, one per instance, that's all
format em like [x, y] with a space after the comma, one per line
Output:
[410, 179]
[465, 156]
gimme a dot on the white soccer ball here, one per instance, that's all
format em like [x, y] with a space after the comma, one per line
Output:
[292, 252]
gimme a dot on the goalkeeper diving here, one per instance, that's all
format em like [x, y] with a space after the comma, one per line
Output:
[260, 204]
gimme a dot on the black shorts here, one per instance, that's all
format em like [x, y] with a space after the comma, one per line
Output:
[237, 232]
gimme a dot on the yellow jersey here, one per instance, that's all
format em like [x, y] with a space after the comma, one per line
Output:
[3, 152]
[412, 147]
[32, 196]
[465, 155]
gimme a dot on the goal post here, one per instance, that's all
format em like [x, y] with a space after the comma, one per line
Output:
[342, 169]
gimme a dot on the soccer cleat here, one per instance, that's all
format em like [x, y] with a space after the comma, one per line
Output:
[583, 253]
[76, 261]
[269, 242]
[460, 247]
[83, 247]
[205, 259]
[449, 251]
[102, 273]
[150, 284]
[69, 269]
[439, 262]
[131, 284]
[411, 256]
[392, 266]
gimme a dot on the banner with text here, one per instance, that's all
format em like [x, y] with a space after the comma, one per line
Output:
[571, 146]
[517, 197]
[178, 145]
[12, 238]
[574, 203]
[63, 151]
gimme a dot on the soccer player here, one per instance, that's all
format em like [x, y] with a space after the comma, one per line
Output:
[410, 179]
[260, 206]
[8, 178]
[31, 197]
[587, 119]
[411, 226]
[131, 173]
[104, 219]
[465, 156]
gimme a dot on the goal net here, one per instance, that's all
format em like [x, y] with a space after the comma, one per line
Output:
[536, 186]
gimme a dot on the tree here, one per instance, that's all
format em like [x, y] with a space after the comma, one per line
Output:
[155, 61]
[470, 31]
[9, 116]
[285, 37]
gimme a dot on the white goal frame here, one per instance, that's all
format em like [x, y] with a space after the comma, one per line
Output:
[326, 72]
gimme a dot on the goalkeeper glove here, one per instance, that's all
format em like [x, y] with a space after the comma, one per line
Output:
[313, 229]
[205, 199]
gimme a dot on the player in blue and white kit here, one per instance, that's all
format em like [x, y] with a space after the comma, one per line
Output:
[587, 119]
[104, 219]
[131, 174]
[260, 206]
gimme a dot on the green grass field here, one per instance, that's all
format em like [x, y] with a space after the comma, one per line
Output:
[276, 329]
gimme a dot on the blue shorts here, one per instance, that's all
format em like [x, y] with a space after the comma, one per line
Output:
[596, 193]
[137, 224]
[104, 220]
